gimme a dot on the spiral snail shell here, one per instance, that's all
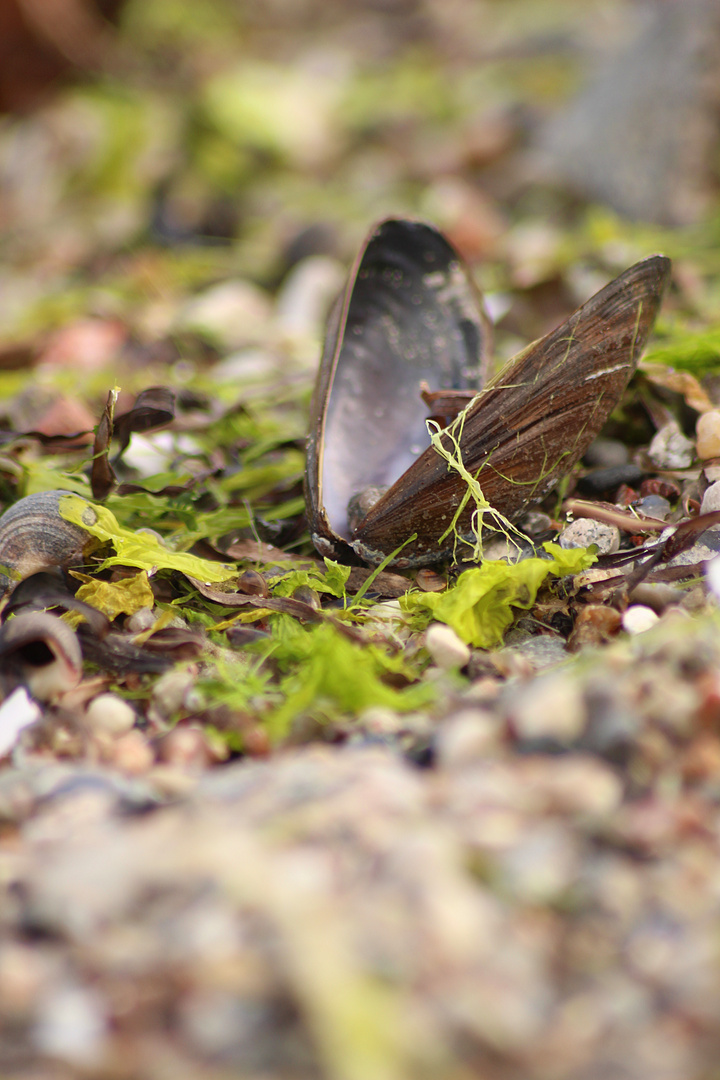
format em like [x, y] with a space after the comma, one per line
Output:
[34, 537]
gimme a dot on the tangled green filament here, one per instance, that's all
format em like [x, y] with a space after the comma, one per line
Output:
[483, 509]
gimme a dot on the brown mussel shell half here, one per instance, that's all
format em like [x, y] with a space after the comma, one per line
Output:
[410, 319]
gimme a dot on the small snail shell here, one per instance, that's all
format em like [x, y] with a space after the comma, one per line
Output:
[34, 537]
[41, 652]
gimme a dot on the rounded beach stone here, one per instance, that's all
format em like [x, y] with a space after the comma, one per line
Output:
[708, 435]
[638, 618]
[711, 499]
[445, 647]
[108, 714]
[584, 531]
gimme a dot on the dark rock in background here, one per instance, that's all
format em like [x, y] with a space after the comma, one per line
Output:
[642, 136]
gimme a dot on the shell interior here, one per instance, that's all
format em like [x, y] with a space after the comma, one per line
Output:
[410, 316]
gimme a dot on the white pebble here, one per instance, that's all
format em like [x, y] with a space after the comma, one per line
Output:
[708, 434]
[132, 753]
[17, 712]
[638, 618]
[445, 647]
[72, 1025]
[108, 714]
[670, 449]
[140, 620]
[551, 706]
[584, 531]
[713, 576]
[711, 499]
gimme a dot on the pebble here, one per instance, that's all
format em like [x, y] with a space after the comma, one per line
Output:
[445, 647]
[594, 625]
[654, 506]
[542, 650]
[708, 435]
[670, 449]
[108, 714]
[132, 753]
[605, 453]
[306, 295]
[185, 747]
[549, 707]
[710, 539]
[656, 595]
[17, 712]
[469, 735]
[171, 690]
[233, 313]
[585, 531]
[509, 550]
[638, 618]
[142, 619]
[711, 499]
[72, 1026]
[699, 552]
[713, 576]
[598, 481]
[535, 523]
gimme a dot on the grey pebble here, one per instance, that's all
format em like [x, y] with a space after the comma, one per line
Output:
[584, 531]
[711, 499]
[606, 453]
[608, 478]
[654, 506]
[670, 449]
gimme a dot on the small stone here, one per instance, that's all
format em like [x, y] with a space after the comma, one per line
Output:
[185, 747]
[233, 313]
[585, 531]
[108, 714]
[670, 449]
[700, 552]
[653, 506]
[306, 296]
[594, 625]
[380, 720]
[72, 1025]
[542, 650]
[509, 550]
[707, 430]
[171, 690]
[445, 647]
[470, 735]
[608, 478]
[535, 523]
[713, 576]
[656, 595]
[132, 753]
[638, 618]
[142, 619]
[170, 781]
[17, 712]
[605, 453]
[548, 707]
[711, 499]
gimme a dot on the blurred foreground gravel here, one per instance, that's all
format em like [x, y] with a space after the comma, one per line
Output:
[539, 905]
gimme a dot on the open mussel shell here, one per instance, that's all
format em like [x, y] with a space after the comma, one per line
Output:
[410, 317]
